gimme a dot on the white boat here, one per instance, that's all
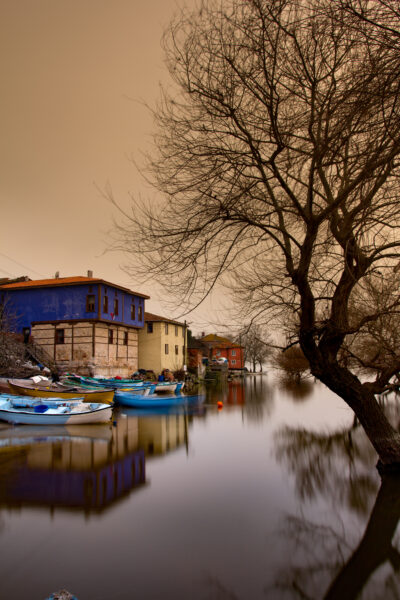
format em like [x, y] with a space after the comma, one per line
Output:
[24, 410]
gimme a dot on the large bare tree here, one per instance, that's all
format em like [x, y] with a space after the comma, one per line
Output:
[277, 155]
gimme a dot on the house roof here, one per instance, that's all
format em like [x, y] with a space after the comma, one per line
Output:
[150, 317]
[4, 280]
[218, 341]
[195, 344]
[64, 281]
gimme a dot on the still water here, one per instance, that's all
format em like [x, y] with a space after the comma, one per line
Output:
[275, 496]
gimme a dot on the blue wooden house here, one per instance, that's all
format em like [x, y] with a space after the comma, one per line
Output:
[85, 324]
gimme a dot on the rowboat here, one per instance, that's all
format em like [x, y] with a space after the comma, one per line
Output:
[22, 410]
[48, 389]
[146, 399]
[113, 383]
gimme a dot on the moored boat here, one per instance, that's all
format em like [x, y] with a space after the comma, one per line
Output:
[146, 399]
[22, 410]
[113, 383]
[48, 389]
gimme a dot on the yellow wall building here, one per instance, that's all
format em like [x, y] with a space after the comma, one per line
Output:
[162, 344]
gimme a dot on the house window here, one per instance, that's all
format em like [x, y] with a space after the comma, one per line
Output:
[59, 336]
[140, 313]
[218, 352]
[133, 312]
[149, 327]
[166, 349]
[233, 362]
[166, 328]
[105, 304]
[90, 301]
[233, 352]
[125, 338]
[176, 349]
[115, 306]
[110, 336]
[176, 329]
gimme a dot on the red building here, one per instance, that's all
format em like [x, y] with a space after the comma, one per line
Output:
[223, 348]
[197, 352]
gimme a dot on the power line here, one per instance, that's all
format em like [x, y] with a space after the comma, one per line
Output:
[7, 272]
[20, 264]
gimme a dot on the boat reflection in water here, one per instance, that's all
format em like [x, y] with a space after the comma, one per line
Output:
[85, 468]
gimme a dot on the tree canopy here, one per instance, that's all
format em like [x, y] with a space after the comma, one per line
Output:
[277, 156]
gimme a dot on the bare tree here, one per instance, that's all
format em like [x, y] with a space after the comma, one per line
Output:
[257, 345]
[373, 347]
[277, 154]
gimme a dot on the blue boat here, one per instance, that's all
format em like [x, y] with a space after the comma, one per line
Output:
[148, 399]
[113, 383]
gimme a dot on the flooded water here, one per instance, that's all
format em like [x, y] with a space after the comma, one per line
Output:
[275, 495]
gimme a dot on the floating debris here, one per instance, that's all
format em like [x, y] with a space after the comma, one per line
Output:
[62, 595]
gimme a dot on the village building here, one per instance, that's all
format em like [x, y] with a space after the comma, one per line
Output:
[162, 344]
[223, 348]
[197, 356]
[85, 324]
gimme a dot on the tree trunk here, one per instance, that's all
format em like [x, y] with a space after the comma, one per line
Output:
[384, 438]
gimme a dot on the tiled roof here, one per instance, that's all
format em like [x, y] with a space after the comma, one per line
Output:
[64, 281]
[218, 341]
[195, 344]
[154, 318]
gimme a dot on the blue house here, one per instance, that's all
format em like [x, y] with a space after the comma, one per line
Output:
[85, 324]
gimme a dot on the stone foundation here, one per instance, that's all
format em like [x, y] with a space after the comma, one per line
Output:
[86, 348]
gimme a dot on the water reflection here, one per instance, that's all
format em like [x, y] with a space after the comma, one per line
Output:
[80, 468]
[253, 394]
[277, 499]
[324, 554]
[85, 468]
[89, 468]
[340, 466]
[157, 432]
[298, 391]
[375, 549]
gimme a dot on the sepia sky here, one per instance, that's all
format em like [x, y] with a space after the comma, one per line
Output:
[74, 75]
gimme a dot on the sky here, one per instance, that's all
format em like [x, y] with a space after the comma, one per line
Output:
[74, 77]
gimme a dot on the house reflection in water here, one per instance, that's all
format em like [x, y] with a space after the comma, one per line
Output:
[85, 468]
[162, 434]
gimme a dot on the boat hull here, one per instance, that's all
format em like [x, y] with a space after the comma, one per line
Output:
[116, 384]
[20, 417]
[103, 396]
[153, 401]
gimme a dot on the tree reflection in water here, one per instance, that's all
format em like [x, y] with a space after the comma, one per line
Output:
[260, 399]
[298, 391]
[340, 466]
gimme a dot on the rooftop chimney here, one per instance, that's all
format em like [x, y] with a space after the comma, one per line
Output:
[90, 273]
[57, 275]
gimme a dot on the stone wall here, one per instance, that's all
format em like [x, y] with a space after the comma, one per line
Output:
[87, 348]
